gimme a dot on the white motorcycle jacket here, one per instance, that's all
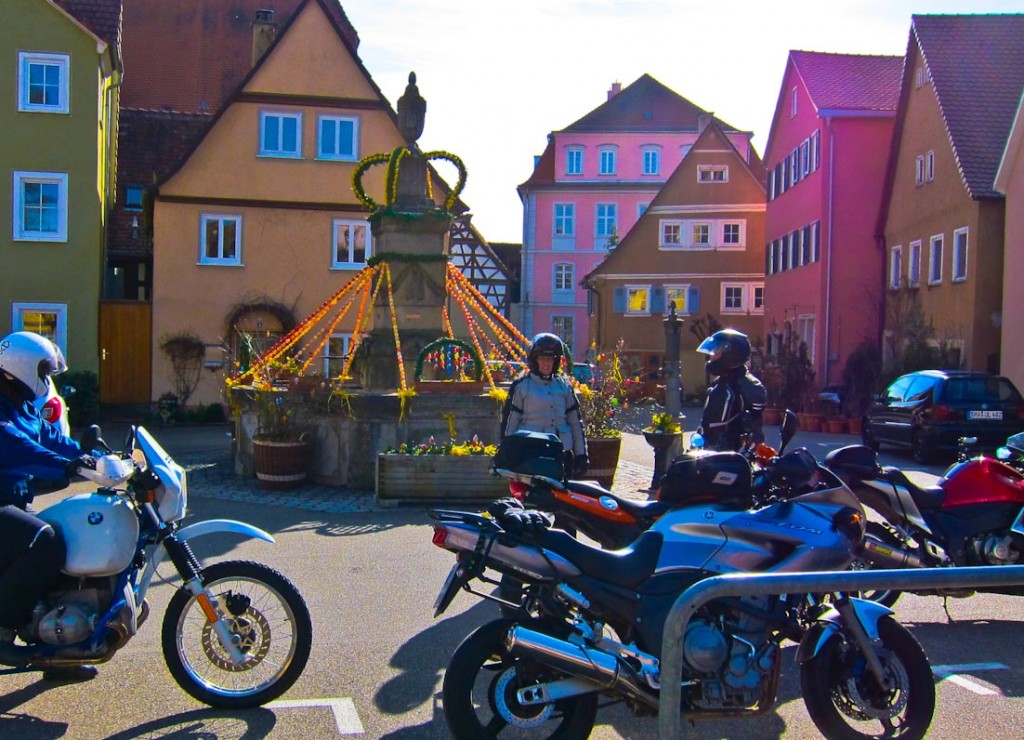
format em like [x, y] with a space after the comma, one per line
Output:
[538, 405]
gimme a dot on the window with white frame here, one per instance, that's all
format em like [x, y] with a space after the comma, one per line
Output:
[351, 244]
[606, 220]
[46, 319]
[43, 82]
[960, 254]
[565, 219]
[816, 150]
[806, 246]
[794, 249]
[794, 166]
[220, 239]
[895, 267]
[792, 103]
[40, 206]
[731, 234]
[935, 260]
[704, 234]
[713, 173]
[805, 157]
[805, 333]
[671, 233]
[638, 300]
[676, 294]
[563, 278]
[562, 327]
[337, 138]
[574, 161]
[919, 170]
[700, 234]
[280, 134]
[652, 160]
[929, 166]
[133, 197]
[607, 161]
[742, 297]
[914, 265]
[336, 350]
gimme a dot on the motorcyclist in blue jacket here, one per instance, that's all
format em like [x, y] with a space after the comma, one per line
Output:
[31, 552]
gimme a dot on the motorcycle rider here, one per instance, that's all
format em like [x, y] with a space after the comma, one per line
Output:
[734, 393]
[543, 400]
[31, 552]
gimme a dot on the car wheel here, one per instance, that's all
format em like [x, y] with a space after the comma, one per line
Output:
[921, 449]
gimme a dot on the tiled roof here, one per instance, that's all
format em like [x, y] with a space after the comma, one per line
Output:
[850, 81]
[977, 69]
[190, 55]
[149, 143]
[544, 170]
[645, 105]
[102, 17]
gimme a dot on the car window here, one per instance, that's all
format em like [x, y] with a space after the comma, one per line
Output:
[920, 389]
[979, 390]
[897, 390]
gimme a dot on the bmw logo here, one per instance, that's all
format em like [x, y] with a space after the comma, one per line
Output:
[609, 503]
[95, 518]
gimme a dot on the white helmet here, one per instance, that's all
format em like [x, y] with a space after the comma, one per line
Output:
[31, 359]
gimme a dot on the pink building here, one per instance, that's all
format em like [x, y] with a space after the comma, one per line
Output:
[826, 160]
[589, 187]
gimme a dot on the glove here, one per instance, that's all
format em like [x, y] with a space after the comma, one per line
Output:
[82, 461]
[580, 464]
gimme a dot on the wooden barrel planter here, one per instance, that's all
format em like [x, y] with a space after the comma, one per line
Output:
[604, 458]
[281, 463]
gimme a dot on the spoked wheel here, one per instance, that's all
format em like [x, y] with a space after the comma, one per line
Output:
[269, 622]
[882, 533]
[479, 693]
[846, 702]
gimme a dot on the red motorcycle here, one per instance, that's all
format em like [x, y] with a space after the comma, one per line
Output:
[973, 516]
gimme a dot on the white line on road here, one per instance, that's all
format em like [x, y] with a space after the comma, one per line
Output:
[345, 715]
[950, 672]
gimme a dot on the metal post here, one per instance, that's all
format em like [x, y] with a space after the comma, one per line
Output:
[672, 324]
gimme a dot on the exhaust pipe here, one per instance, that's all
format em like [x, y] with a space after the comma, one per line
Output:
[885, 556]
[576, 660]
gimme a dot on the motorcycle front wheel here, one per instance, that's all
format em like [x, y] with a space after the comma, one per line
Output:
[845, 701]
[479, 693]
[269, 622]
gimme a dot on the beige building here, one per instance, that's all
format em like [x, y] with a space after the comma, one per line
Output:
[1010, 182]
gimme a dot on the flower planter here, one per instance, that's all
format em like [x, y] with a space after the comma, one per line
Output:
[604, 458]
[446, 478]
[810, 422]
[281, 463]
[855, 425]
[836, 426]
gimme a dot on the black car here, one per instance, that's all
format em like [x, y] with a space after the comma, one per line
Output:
[929, 410]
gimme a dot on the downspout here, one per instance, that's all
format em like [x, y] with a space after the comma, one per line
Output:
[113, 123]
[529, 234]
[828, 245]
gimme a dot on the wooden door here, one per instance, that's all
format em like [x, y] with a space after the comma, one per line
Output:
[126, 348]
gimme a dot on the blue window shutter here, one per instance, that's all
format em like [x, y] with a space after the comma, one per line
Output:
[619, 305]
[658, 300]
[693, 299]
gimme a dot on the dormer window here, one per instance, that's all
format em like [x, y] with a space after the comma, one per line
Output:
[652, 160]
[792, 103]
[574, 161]
[713, 173]
[607, 159]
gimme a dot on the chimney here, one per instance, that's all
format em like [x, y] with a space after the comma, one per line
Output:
[703, 119]
[263, 33]
[616, 88]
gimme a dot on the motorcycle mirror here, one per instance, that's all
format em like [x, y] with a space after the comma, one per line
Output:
[788, 431]
[68, 390]
[1003, 453]
[92, 439]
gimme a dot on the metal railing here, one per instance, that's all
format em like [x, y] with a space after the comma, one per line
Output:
[761, 584]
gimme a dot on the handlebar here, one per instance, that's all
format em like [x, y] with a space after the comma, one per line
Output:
[111, 471]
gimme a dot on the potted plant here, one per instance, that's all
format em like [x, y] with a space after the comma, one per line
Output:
[662, 434]
[282, 452]
[599, 403]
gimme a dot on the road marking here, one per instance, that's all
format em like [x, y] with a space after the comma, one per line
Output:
[345, 715]
[949, 672]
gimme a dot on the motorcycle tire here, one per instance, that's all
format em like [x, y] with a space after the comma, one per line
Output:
[269, 616]
[845, 702]
[479, 693]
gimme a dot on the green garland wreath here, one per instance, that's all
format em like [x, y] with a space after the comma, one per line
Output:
[394, 161]
[478, 364]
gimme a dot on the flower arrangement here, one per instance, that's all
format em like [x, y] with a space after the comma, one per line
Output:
[604, 397]
[452, 447]
[663, 423]
[268, 389]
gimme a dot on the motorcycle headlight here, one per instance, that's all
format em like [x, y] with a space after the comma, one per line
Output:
[850, 523]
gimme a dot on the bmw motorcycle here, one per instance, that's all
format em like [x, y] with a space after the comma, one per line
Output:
[972, 516]
[591, 621]
[235, 634]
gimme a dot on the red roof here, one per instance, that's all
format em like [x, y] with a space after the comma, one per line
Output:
[850, 81]
[102, 17]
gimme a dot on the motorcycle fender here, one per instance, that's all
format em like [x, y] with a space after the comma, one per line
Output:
[213, 526]
[868, 613]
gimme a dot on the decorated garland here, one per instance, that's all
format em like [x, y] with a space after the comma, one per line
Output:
[458, 344]
[394, 162]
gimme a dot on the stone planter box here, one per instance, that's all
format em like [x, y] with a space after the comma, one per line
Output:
[443, 479]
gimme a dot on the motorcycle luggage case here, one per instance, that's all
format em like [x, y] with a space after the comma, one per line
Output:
[531, 453]
[707, 478]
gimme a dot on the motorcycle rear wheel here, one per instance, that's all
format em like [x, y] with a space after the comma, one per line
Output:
[479, 693]
[846, 703]
[271, 621]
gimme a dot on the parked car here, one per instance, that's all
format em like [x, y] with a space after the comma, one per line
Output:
[929, 410]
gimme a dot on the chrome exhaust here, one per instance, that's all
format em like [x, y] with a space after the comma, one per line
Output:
[885, 556]
[594, 665]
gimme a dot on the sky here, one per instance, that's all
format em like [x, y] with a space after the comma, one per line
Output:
[498, 77]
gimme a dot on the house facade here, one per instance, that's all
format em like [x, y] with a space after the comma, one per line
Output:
[826, 158]
[59, 121]
[943, 224]
[594, 180]
[1010, 182]
[698, 246]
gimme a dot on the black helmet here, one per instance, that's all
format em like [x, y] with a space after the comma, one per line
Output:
[729, 349]
[545, 344]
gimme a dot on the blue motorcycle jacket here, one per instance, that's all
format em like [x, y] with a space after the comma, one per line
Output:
[29, 448]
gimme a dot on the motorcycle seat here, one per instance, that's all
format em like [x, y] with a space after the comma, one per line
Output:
[628, 567]
[643, 510]
[926, 497]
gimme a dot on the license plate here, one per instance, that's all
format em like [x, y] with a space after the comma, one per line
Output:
[993, 414]
[451, 584]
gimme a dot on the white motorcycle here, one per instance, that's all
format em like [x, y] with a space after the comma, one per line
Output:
[236, 634]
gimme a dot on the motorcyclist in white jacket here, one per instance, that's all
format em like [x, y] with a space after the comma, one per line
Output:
[543, 400]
